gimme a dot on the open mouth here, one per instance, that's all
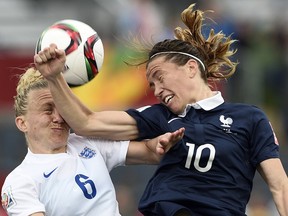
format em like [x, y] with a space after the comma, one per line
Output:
[167, 99]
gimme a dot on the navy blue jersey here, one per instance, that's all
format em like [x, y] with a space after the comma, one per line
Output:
[211, 170]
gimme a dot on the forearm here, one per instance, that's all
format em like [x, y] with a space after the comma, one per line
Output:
[141, 153]
[68, 105]
[116, 125]
[281, 199]
[275, 176]
[107, 124]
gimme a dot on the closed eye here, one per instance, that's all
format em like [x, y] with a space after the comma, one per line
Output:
[151, 86]
[48, 109]
[49, 112]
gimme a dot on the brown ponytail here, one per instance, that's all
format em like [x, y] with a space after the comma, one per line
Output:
[214, 52]
[216, 49]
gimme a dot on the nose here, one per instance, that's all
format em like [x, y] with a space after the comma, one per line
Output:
[57, 117]
[158, 91]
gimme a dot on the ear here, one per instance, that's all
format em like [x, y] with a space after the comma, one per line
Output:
[21, 123]
[192, 67]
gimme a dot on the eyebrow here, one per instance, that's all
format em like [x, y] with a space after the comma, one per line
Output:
[154, 74]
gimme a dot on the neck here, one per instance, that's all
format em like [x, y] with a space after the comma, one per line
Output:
[37, 150]
[202, 93]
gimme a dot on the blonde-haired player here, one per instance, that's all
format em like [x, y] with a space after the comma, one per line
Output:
[62, 173]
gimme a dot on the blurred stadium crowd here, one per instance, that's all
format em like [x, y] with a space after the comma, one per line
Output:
[260, 26]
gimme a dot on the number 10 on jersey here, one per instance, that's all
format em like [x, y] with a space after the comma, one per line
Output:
[198, 154]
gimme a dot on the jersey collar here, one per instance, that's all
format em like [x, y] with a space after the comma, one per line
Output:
[205, 104]
[32, 156]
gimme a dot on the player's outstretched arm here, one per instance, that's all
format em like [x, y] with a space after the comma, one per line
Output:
[275, 176]
[108, 124]
[151, 151]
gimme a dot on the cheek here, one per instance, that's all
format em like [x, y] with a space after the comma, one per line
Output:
[35, 123]
[183, 82]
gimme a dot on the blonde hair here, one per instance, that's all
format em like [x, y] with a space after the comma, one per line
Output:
[31, 79]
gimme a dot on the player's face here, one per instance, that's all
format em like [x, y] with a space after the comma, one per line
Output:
[172, 84]
[46, 131]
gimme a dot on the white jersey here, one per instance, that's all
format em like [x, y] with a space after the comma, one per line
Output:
[73, 183]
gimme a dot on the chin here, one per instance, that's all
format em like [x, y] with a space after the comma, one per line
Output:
[175, 111]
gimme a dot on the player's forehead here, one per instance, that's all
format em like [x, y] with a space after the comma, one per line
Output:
[155, 67]
[38, 97]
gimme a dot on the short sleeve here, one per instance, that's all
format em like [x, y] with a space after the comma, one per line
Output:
[113, 152]
[264, 144]
[20, 197]
[152, 121]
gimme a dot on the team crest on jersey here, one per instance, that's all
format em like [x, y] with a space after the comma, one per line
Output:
[87, 153]
[226, 123]
[7, 199]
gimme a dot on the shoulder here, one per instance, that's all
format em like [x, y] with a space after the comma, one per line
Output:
[152, 111]
[20, 172]
[81, 143]
[247, 116]
[243, 109]
[20, 193]
[18, 179]
[152, 107]
[74, 139]
[240, 105]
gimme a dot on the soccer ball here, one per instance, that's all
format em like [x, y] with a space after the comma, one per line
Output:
[83, 47]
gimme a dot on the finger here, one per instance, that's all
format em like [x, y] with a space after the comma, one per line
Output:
[53, 53]
[160, 150]
[166, 143]
[53, 46]
[172, 137]
[47, 52]
[52, 50]
[60, 54]
[37, 59]
[179, 133]
[42, 56]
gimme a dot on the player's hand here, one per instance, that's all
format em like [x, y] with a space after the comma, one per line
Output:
[50, 61]
[168, 140]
